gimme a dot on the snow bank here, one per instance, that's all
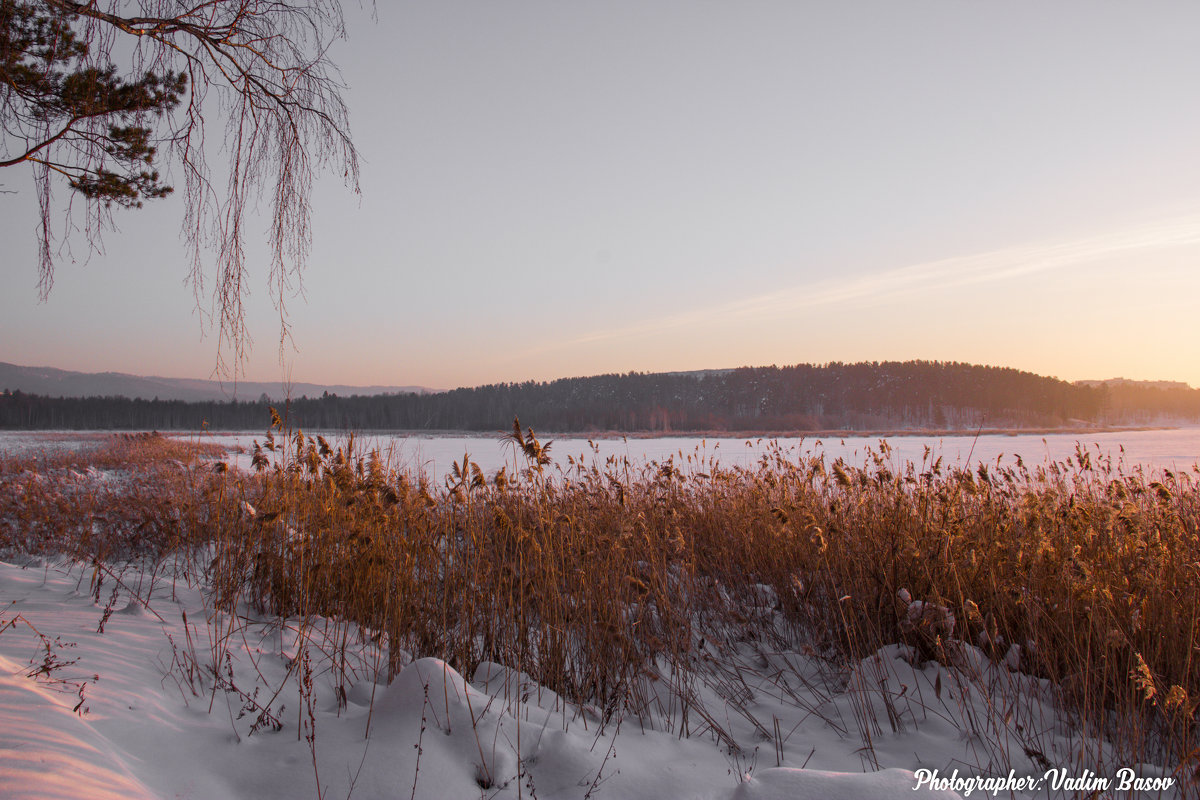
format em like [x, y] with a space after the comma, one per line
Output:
[760, 724]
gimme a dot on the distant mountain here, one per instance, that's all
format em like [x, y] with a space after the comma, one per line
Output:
[1137, 384]
[62, 383]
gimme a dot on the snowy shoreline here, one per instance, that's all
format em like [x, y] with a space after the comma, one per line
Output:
[154, 719]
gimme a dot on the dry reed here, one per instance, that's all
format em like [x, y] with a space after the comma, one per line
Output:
[600, 578]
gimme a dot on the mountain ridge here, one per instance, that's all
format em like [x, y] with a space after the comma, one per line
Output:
[54, 382]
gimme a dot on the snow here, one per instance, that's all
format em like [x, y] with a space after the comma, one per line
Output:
[765, 724]
[811, 784]
[49, 752]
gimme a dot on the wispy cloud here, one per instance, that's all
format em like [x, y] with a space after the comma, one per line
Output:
[997, 265]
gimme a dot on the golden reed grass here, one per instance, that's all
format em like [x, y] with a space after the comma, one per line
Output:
[593, 577]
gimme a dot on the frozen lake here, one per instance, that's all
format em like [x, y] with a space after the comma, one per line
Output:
[1174, 449]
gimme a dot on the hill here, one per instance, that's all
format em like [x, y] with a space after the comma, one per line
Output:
[868, 396]
[63, 383]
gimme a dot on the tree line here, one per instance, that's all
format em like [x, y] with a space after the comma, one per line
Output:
[804, 397]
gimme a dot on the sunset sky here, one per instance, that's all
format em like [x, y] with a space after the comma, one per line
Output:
[554, 189]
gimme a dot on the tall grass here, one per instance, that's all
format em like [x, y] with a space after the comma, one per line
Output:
[601, 579]
[120, 497]
[596, 576]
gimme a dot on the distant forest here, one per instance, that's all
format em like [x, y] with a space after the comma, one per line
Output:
[867, 396]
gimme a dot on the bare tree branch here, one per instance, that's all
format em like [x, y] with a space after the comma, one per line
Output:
[68, 110]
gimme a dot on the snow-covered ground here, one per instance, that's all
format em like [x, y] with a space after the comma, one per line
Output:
[104, 695]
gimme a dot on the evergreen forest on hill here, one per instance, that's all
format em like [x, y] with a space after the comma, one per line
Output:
[874, 396]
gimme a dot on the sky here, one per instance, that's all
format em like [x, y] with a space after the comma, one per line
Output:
[557, 189]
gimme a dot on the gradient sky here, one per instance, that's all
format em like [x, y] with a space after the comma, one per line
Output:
[555, 189]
